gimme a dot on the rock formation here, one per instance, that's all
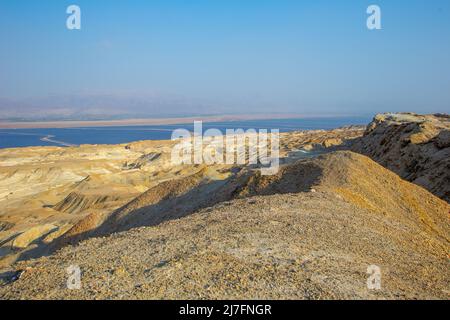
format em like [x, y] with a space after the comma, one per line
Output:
[415, 147]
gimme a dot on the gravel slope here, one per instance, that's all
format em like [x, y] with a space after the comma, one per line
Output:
[305, 245]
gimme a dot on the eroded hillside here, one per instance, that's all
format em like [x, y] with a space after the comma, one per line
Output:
[49, 193]
[415, 147]
[289, 243]
[140, 227]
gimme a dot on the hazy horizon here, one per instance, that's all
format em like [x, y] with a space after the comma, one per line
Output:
[172, 58]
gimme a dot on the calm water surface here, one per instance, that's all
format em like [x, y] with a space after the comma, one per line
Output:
[10, 138]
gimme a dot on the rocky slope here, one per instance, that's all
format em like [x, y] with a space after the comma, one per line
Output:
[282, 238]
[140, 227]
[355, 178]
[75, 189]
[55, 186]
[415, 147]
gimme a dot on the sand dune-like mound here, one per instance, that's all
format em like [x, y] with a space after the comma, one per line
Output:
[57, 186]
[103, 192]
[60, 186]
[146, 209]
[77, 202]
[355, 178]
[309, 232]
[416, 147]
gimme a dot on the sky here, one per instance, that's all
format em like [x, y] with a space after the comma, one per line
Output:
[227, 56]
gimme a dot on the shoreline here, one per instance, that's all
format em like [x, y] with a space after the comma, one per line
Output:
[49, 138]
[150, 121]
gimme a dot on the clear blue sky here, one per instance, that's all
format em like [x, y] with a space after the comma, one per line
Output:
[247, 55]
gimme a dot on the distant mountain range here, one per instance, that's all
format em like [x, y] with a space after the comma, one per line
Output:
[100, 107]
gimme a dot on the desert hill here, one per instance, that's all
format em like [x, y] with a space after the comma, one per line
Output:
[141, 227]
[355, 178]
[416, 147]
[277, 237]
[49, 193]
[56, 187]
